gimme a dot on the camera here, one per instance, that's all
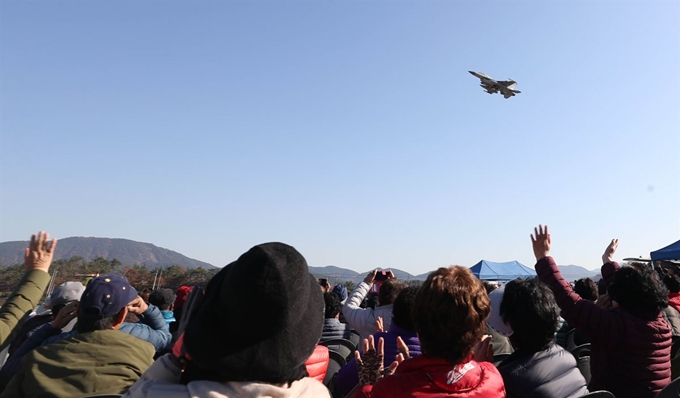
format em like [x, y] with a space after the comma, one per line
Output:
[381, 276]
[323, 282]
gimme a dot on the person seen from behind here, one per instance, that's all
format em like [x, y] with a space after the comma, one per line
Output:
[630, 340]
[402, 328]
[164, 299]
[99, 359]
[363, 319]
[332, 328]
[449, 313]
[538, 368]
[231, 350]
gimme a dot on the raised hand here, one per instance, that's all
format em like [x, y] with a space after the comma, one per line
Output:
[138, 306]
[39, 253]
[540, 240]
[484, 350]
[371, 277]
[65, 315]
[608, 255]
[370, 364]
[379, 325]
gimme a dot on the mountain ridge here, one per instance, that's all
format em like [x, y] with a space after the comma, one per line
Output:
[127, 251]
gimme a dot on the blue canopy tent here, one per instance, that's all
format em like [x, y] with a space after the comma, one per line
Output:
[488, 270]
[670, 252]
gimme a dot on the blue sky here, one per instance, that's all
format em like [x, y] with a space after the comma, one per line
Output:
[349, 130]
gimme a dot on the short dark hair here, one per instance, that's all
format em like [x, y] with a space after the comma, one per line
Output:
[450, 312]
[586, 288]
[86, 324]
[490, 287]
[638, 288]
[389, 290]
[332, 305]
[530, 309]
[162, 298]
[401, 311]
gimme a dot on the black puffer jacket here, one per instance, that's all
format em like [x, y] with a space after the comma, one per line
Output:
[545, 374]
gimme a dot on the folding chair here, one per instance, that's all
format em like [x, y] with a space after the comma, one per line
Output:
[582, 355]
[670, 391]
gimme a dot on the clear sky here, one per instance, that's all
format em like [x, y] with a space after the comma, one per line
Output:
[350, 130]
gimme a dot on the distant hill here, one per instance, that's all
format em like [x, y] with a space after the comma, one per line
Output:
[574, 272]
[128, 252]
[338, 275]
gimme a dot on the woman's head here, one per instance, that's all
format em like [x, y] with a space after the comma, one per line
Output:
[450, 312]
[586, 288]
[638, 288]
[529, 308]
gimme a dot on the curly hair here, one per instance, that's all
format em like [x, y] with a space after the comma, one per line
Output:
[332, 305]
[671, 280]
[401, 311]
[389, 290]
[638, 288]
[450, 312]
[530, 309]
[586, 288]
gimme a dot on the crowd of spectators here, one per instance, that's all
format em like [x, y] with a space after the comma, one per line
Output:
[265, 327]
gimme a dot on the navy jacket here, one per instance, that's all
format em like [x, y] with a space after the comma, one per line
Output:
[333, 329]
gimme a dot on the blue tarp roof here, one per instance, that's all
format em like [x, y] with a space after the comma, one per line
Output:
[670, 252]
[488, 270]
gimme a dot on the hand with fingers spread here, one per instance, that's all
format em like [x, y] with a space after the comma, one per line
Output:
[370, 363]
[399, 358]
[608, 255]
[541, 242]
[39, 253]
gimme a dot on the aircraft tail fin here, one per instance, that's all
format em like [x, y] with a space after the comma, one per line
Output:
[511, 86]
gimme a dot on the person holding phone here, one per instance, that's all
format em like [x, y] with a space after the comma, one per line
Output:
[363, 320]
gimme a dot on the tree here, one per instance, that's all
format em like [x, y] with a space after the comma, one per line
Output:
[349, 285]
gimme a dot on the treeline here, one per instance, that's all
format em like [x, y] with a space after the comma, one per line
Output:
[140, 277]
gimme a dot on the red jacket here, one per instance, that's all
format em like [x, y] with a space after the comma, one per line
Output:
[436, 378]
[630, 352]
[674, 300]
[317, 363]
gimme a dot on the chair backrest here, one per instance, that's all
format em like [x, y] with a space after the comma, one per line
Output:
[599, 394]
[675, 347]
[582, 355]
[570, 340]
[104, 396]
[355, 338]
[581, 351]
[344, 347]
[671, 391]
[498, 358]
[335, 362]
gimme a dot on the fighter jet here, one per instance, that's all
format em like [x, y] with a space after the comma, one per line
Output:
[491, 86]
